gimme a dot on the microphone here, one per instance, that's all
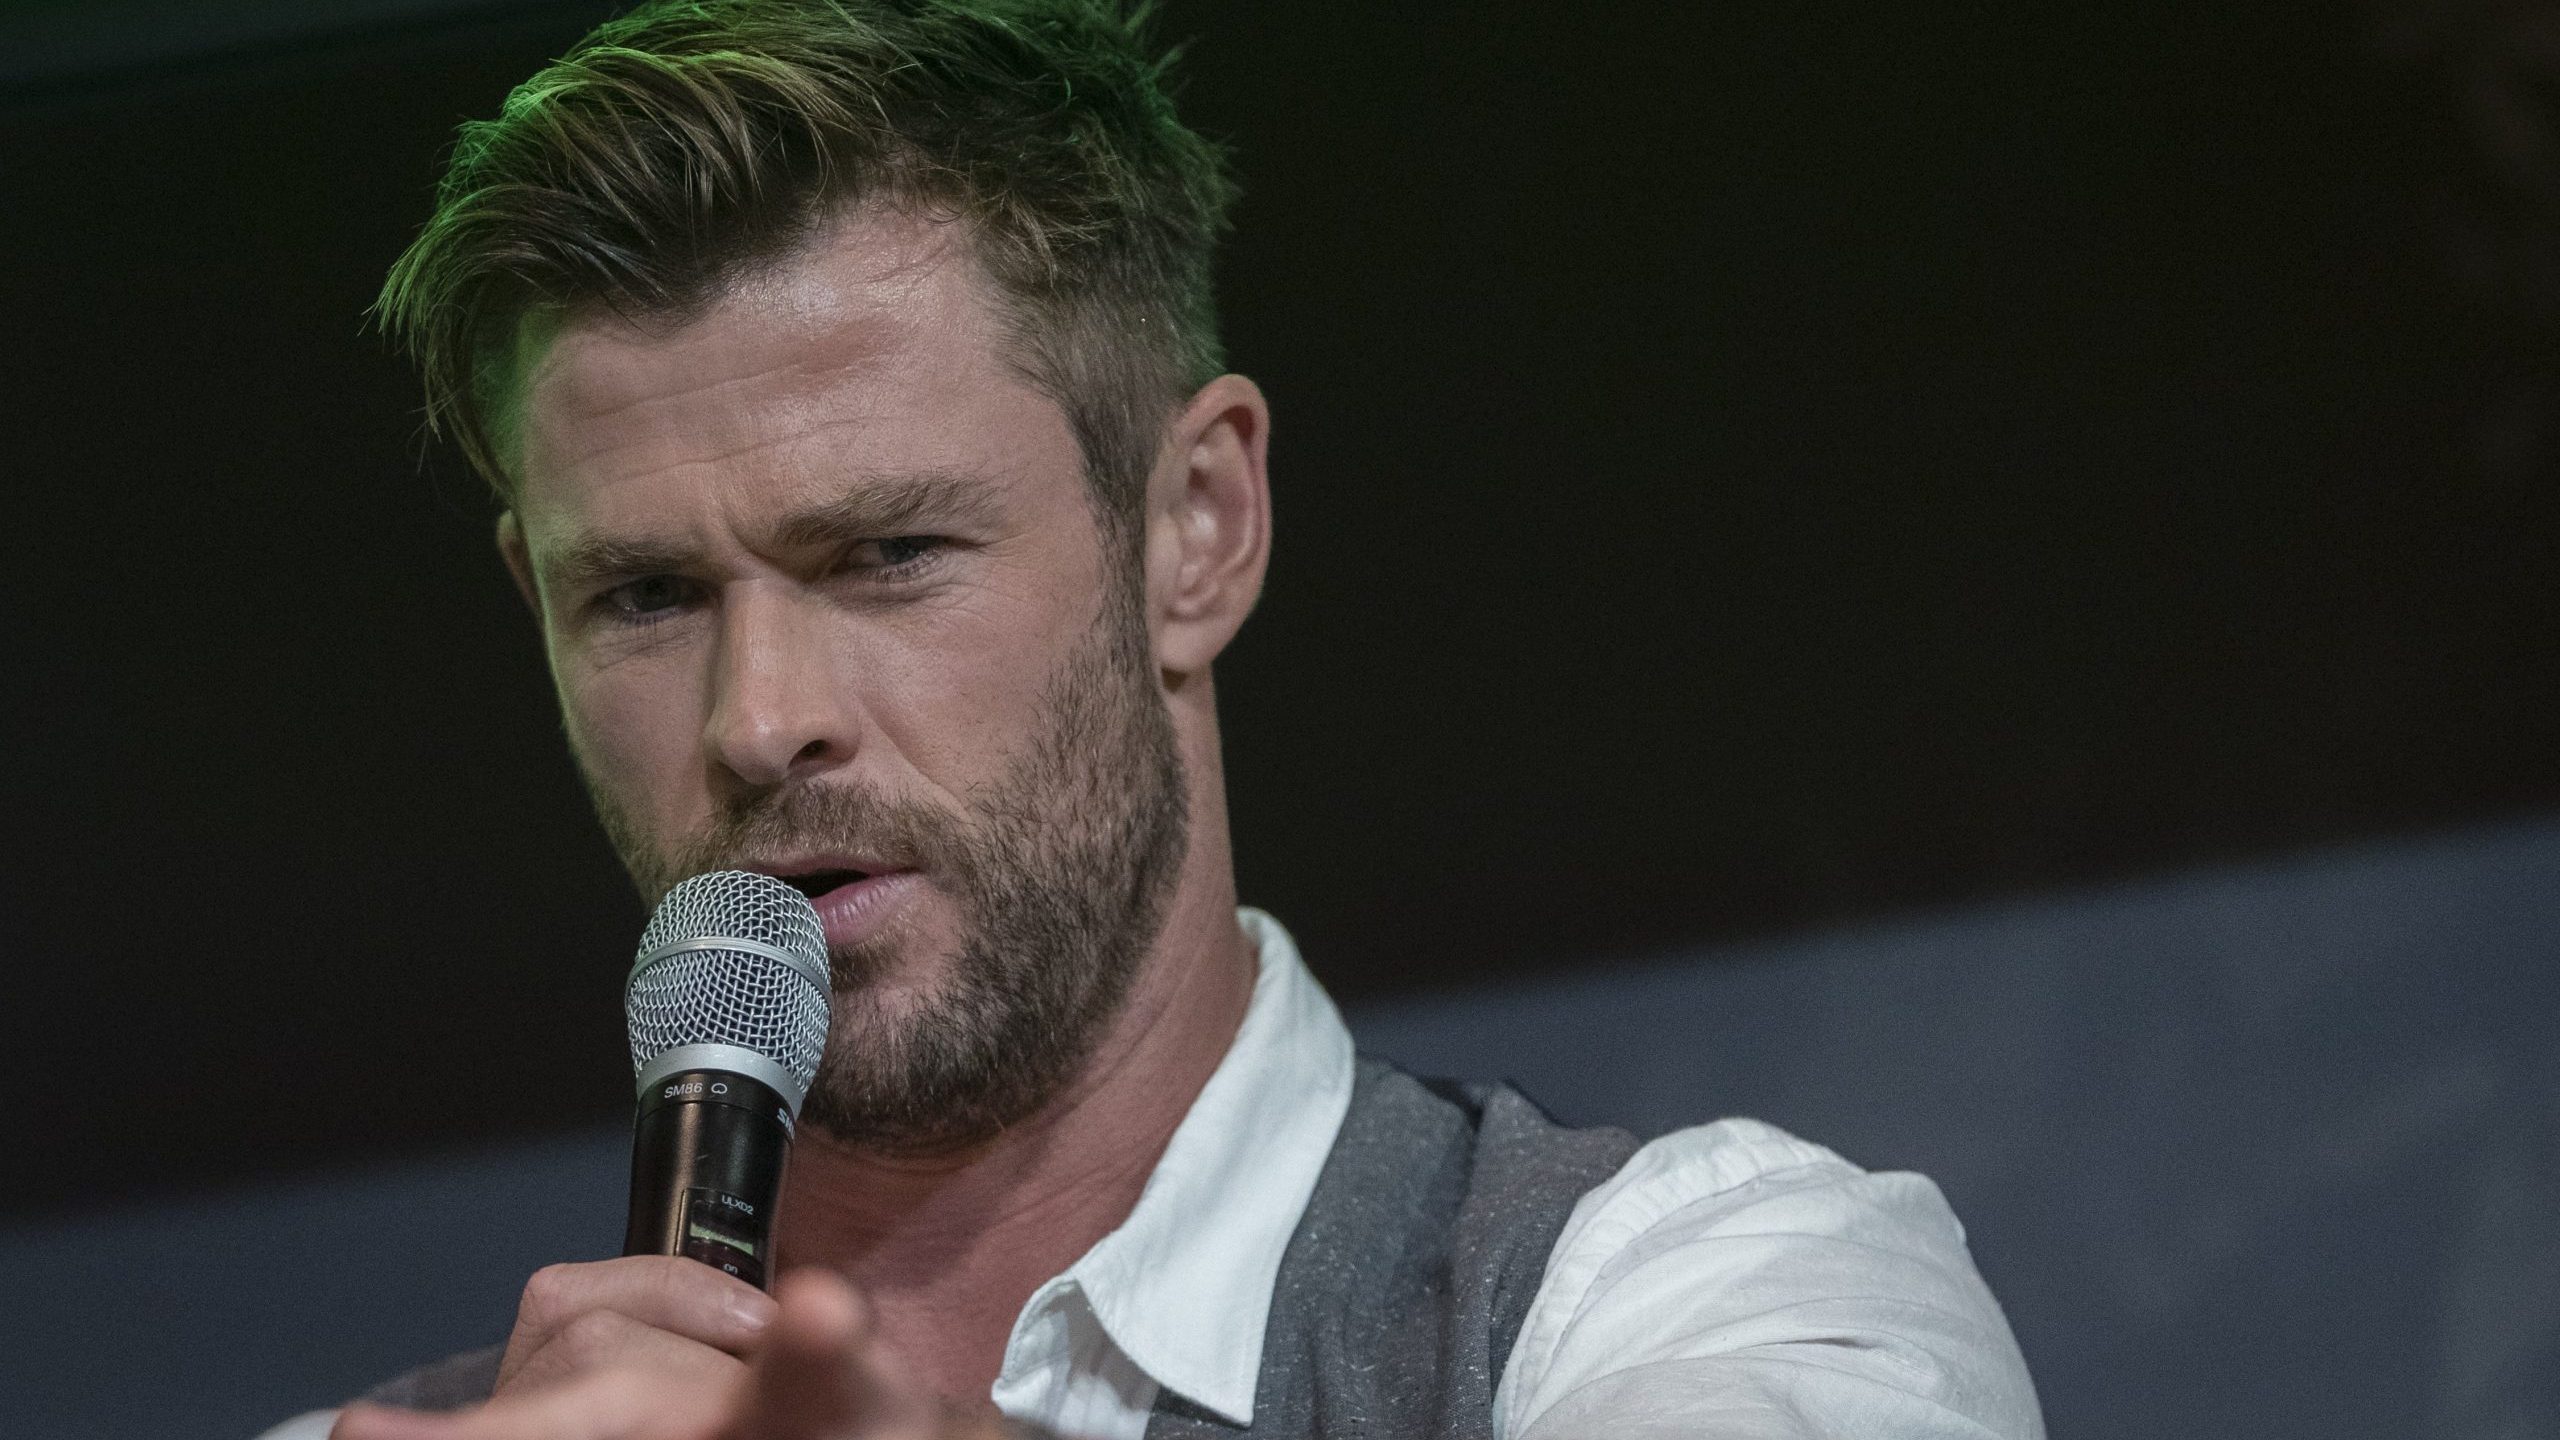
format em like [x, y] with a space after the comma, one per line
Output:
[728, 1005]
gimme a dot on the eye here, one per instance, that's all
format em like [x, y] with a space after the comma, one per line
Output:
[651, 597]
[898, 552]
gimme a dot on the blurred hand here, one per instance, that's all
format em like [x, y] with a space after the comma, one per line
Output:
[641, 1312]
[816, 1370]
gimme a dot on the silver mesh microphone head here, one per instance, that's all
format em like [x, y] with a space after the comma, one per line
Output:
[731, 975]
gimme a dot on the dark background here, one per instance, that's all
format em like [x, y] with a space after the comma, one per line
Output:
[1740, 467]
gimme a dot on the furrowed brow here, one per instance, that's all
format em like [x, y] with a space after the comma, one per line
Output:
[590, 560]
[886, 504]
[878, 506]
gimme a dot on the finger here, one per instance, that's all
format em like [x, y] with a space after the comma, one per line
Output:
[607, 1340]
[666, 1292]
[821, 1376]
[600, 1405]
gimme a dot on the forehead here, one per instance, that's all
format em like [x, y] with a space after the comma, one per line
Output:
[877, 347]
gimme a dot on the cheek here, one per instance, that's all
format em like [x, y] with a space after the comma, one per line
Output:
[957, 705]
[635, 735]
[945, 713]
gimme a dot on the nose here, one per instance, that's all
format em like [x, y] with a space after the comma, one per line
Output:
[777, 709]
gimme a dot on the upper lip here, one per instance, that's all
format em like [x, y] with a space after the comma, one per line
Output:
[792, 867]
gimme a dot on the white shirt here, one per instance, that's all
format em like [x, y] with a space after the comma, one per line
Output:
[1730, 1281]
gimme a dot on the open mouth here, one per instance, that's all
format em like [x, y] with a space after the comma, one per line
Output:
[815, 883]
[854, 902]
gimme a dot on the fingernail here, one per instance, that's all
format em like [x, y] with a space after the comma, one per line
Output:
[752, 1311]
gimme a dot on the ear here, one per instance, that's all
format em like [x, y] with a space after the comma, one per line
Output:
[1208, 524]
[511, 548]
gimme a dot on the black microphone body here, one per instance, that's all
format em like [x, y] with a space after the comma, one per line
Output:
[707, 1152]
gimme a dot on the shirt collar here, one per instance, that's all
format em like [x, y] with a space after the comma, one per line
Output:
[1184, 1286]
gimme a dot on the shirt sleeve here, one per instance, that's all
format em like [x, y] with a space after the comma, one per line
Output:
[1734, 1282]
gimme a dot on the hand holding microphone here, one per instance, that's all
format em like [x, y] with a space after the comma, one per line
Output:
[819, 1374]
[727, 1003]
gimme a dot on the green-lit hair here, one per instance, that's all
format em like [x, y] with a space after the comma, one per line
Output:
[691, 142]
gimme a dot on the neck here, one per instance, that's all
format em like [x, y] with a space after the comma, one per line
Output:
[948, 1247]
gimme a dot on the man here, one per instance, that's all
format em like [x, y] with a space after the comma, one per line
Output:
[849, 377]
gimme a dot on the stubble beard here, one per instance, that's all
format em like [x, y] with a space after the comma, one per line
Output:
[1061, 876]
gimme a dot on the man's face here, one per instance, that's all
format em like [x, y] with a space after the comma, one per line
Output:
[825, 597]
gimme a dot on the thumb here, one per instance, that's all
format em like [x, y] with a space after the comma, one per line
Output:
[822, 1374]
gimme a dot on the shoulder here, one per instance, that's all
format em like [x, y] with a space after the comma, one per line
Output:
[1508, 1136]
[1705, 1174]
[1735, 1264]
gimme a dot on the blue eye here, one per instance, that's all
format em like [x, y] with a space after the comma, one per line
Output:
[895, 553]
[648, 598]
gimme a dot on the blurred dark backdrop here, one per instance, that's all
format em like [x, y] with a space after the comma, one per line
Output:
[1739, 466]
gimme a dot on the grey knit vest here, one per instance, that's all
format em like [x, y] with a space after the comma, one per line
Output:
[1411, 1272]
[1401, 1291]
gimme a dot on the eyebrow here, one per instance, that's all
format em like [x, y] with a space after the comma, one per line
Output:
[877, 506]
[884, 504]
